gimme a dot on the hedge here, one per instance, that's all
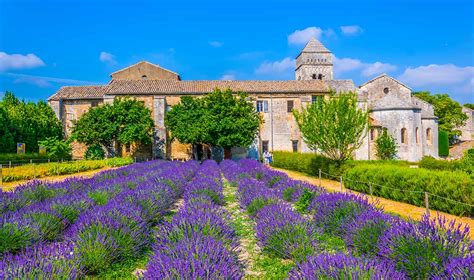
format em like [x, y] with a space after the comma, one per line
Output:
[443, 143]
[31, 171]
[454, 185]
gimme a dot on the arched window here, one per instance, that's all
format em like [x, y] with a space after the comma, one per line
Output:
[404, 136]
[315, 77]
[428, 136]
[416, 135]
[320, 76]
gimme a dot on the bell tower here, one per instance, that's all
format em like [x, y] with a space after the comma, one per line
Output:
[314, 62]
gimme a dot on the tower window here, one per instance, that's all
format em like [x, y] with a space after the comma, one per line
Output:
[385, 90]
[315, 76]
[320, 76]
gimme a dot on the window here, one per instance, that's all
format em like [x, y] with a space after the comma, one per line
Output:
[127, 148]
[404, 136]
[320, 76]
[316, 98]
[416, 135]
[94, 104]
[315, 77]
[386, 90]
[262, 106]
[372, 134]
[428, 136]
[144, 77]
[264, 146]
[290, 106]
[294, 144]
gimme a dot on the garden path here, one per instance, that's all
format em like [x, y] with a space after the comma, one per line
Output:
[400, 208]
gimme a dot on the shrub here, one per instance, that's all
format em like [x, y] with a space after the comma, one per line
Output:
[94, 152]
[385, 146]
[443, 143]
[454, 185]
[308, 163]
[425, 249]
[342, 266]
[57, 148]
[304, 200]
[334, 211]
[14, 236]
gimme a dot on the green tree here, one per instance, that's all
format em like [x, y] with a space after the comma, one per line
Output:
[125, 121]
[29, 122]
[385, 146]
[448, 111]
[232, 120]
[220, 119]
[333, 127]
[7, 142]
[57, 148]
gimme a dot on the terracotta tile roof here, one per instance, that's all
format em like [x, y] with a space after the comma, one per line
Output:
[201, 87]
[79, 92]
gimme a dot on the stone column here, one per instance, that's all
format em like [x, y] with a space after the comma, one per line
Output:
[159, 134]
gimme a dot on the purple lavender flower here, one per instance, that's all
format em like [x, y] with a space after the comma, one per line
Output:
[198, 257]
[427, 249]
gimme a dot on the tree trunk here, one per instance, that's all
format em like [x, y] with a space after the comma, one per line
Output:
[227, 153]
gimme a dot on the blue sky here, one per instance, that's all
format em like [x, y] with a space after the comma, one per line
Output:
[429, 45]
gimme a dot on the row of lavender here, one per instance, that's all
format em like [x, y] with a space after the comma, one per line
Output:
[378, 245]
[41, 211]
[198, 243]
[103, 233]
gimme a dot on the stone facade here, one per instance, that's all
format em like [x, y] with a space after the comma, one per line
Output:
[467, 130]
[410, 121]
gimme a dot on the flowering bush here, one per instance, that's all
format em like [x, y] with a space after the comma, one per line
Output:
[428, 249]
[341, 266]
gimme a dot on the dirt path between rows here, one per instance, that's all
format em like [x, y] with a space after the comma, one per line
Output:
[400, 208]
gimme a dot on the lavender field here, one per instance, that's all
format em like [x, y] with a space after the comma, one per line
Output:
[233, 220]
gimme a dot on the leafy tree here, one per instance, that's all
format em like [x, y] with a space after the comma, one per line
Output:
[125, 121]
[469, 105]
[334, 126]
[94, 152]
[232, 120]
[57, 148]
[448, 111]
[28, 122]
[221, 119]
[7, 142]
[385, 146]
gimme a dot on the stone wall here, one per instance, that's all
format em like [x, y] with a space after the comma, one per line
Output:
[467, 130]
[144, 70]
[375, 89]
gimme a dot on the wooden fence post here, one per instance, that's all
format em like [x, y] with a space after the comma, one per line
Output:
[427, 203]
[320, 177]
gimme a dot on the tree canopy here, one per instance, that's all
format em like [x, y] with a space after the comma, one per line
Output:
[469, 105]
[26, 122]
[385, 146]
[124, 121]
[335, 126]
[448, 111]
[221, 119]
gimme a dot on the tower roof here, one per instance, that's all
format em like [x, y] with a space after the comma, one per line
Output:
[315, 46]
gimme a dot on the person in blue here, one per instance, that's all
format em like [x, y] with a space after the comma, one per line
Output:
[267, 158]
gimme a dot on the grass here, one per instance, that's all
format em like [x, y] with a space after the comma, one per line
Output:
[125, 269]
[259, 265]
[32, 171]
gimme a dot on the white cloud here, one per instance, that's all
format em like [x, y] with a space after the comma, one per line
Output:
[376, 68]
[276, 67]
[216, 44]
[107, 58]
[300, 37]
[343, 65]
[434, 74]
[40, 81]
[19, 61]
[351, 29]
[228, 77]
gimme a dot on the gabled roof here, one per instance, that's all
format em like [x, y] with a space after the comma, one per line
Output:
[383, 76]
[392, 102]
[79, 92]
[143, 62]
[201, 87]
[315, 46]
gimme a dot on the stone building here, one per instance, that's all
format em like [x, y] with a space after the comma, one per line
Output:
[408, 119]
[467, 130]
